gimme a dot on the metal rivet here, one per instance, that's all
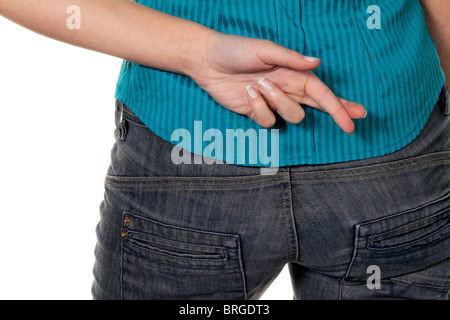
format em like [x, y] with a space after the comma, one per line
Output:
[124, 235]
[126, 221]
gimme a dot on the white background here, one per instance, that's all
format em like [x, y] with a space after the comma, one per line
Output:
[56, 133]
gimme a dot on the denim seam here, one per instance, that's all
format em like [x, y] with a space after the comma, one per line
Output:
[354, 254]
[132, 121]
[173, 227]
[292, 219]
[132, 114]
[241, 266]
[168, 264]
[224, 250]
[206, 260]
[445, 153]
[372, 174]
[423, 285]
[390, 248]
[190, 178]
[122, 258]
[398, 214]
[189, 186]
[285, 223]
[393, 279]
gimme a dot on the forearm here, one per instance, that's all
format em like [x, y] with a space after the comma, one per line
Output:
[437, 14]
[120, 28]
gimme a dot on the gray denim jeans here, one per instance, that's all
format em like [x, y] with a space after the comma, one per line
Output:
[369, 229]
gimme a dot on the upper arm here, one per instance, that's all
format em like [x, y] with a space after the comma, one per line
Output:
[437, 12]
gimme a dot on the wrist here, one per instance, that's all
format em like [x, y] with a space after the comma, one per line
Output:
[197, 54]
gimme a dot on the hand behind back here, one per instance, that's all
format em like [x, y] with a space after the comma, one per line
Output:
[277, 80]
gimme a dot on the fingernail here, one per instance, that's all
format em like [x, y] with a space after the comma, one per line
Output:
[251, 92]
[364, 115]
[266, 85]
[311, 59]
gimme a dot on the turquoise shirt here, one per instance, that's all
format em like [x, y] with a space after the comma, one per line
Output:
[382, 57]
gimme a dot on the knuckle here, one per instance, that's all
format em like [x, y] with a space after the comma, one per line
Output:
[267, 122]
[259, 104]
[299, 117]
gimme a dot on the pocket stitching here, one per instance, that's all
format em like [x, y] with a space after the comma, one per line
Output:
[359, 236]
[233, 266]
[210, 264]
[395, 215]
[167, 253]
[436, 217]
[410, 244]
[210, 233]
[376, 168]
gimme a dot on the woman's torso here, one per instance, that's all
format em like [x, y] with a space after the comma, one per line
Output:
[382, 57]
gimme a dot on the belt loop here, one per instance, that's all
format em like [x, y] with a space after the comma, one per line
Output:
[122, 129]
[446, 104]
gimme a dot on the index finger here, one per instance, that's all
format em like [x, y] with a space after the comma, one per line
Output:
[329, 103]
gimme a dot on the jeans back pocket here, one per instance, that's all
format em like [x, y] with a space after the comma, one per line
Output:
[403, 243]
[161, 261]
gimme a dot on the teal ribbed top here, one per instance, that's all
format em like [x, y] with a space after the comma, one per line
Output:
[386, 60]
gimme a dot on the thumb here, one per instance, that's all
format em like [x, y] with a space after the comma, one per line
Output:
[277, 55]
